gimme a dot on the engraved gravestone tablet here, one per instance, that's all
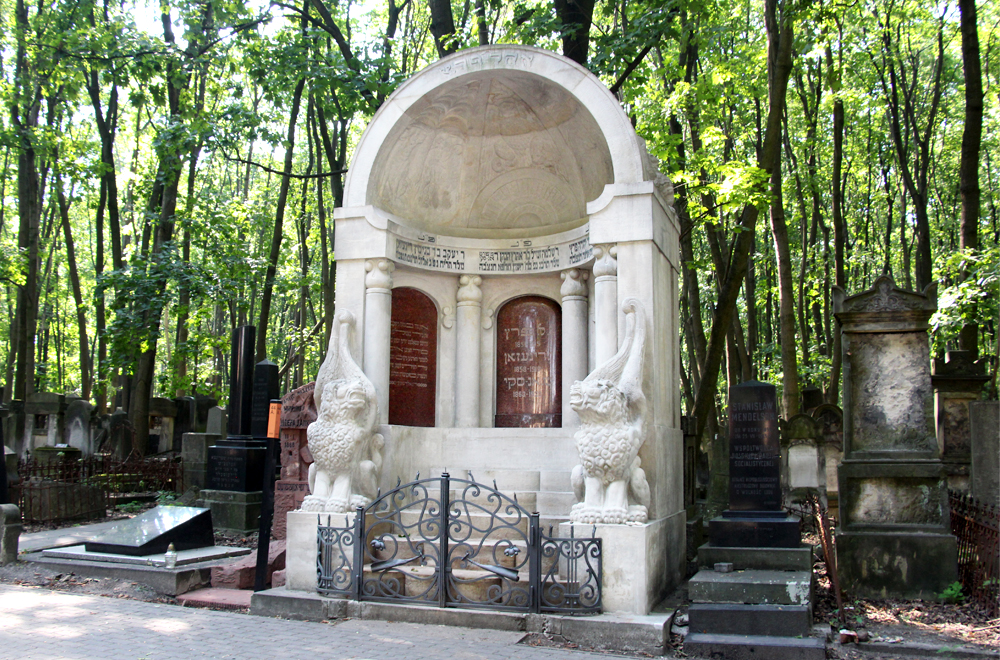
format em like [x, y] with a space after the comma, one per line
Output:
[150, 533]
[412, 358]
[529, 340]
[755, 517]
[754, 448]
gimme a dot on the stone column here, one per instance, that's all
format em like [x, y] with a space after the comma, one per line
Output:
[378, 326]
[470, 302]
[574, 338]
[957, 380]
[605, 302]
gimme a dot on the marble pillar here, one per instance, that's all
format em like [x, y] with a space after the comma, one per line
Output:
[574, 337]
[606, 301]
[469, 330]
[378, 327]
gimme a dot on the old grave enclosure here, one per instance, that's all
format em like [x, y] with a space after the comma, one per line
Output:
[498, 211]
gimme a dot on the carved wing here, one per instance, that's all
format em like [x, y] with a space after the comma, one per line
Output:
[625, 368]
[340, 365]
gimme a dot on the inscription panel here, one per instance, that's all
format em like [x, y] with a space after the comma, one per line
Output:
[529, 342]
[520, 256]
[412, 358]
[754, 450]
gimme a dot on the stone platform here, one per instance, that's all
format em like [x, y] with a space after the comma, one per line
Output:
[627, 633]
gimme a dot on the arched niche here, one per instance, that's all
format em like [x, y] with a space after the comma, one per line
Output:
[529, 364]
[412, 358]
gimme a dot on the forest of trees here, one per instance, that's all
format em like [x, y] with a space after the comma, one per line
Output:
[170, 171]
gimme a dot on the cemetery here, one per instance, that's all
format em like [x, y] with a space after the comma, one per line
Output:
[497, 437]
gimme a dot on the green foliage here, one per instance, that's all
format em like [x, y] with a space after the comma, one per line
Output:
[952, 594]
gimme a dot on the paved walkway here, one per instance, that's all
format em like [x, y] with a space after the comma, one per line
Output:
[39, 624]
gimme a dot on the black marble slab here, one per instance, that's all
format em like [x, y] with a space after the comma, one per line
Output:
[754, 448]
[237, 465]
[150, 533]
[763, 531]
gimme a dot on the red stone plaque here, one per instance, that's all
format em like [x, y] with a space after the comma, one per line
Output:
[529, 374]
[412, 358]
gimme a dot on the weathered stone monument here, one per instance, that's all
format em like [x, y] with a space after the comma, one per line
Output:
[830, 422]
[893, 538]
[803, 461]
[79, 426]
[958, 380]
[984, 423]
[753, 594]
[498, 213]
[162, 414]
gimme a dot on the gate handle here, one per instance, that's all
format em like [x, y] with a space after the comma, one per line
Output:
[392, 563]
[505, 573]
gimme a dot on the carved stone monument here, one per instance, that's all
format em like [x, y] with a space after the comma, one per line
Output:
[958, 380]
[893, 538]
[506, 186]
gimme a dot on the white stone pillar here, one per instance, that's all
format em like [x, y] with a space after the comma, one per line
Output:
[467, 354]
[378, 327]
[606, 301]
[574, 337]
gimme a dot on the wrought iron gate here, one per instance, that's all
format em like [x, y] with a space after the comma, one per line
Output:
[457, 543]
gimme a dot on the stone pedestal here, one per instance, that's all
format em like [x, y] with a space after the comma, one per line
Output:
[893, 539]
[635, 573]
[10, 532]
[957, 381]
[236, 465]
[233, 511]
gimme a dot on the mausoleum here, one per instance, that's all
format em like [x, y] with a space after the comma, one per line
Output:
[502, 224]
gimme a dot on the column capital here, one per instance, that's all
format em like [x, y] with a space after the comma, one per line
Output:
[379, 274]
[574, 283]
[605, 260]
[468, 289]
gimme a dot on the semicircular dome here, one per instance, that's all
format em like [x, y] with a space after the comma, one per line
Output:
[491, 154]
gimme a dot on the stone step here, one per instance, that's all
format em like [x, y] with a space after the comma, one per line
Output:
[754, 647]
[556, 502]
[472, 525]
[506, 480]
[241, 574]
[741, 619]
[217, 598]
[754, 587]
[526, 498]
[774, 559]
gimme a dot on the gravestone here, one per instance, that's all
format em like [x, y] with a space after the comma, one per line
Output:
[184, 421]
[529, 389]
[202, 404]
[755, 517]
[151, 532]
[803, 461]
[830, 421]
[298, 411]
[235, 471]
[10, 532]
[162, 412]
[194, 454]
[216, 422]
[412, 358]
[958, 380]
[79, 415]
[119, 434]
[893, 537]
[44, 413]
[984, 426]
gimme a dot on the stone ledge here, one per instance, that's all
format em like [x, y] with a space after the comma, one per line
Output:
[776, 559]
[171, 582]
[740, 619]
[754, 647]
[752, 587]
[607, 632]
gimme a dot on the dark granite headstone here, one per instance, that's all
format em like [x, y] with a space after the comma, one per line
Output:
[151, 532]
[755, 517]
[265, 389]
[529, 340]
[241, 381]
[412, 358]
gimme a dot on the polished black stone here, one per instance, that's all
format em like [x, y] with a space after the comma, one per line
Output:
[265, 388]
[241, 380]
[754, 448]
[236, 464]
[150, 533]
[764, 531]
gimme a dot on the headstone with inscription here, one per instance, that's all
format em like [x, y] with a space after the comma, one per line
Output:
[298, 411]
[412, 358]
[755, 517]
[957, 380]
[529, 386]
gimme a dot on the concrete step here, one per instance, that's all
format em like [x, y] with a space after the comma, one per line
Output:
[507, 480]
[741, 619]
[217, 598]
[752, 587]
[754, 647]
[555, 502]
[774, 559]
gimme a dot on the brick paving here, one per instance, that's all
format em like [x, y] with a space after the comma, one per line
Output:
[39, 624]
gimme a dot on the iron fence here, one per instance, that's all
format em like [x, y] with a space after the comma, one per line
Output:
[85, 488]
[457, 543]
[977, 527]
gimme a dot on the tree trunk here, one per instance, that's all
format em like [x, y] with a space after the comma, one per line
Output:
[786, 299]
[279, 218]
[968, 339]
[576, 17]
[74, 277]
[443, 27]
